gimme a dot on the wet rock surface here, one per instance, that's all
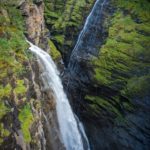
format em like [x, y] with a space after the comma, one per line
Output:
[113, 120]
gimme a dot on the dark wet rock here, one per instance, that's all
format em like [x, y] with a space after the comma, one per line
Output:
[115, 118]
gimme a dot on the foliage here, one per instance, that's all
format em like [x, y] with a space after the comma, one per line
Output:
[53, 51]
[26, 119]
[138, 8]
[138, 86]
[59, 38]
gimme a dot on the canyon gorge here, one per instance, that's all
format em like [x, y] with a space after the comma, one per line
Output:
[74, 75]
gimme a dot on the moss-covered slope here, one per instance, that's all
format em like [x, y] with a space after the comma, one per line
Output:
[13, 71]
[110, 91]
[22, 102]
[123, 63]
[12, 68]
[64, 20]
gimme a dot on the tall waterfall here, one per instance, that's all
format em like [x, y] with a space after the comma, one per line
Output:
[89, 37]
[71, 131]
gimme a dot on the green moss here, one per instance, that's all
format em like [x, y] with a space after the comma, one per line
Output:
[12, 40]
[122, 65]
[12, 50]
[53, 51]
[104, 103]
[138, 86]
[124, 58]
[13, 65]
[20, 87]
[102, 75]
[11, 3]
[127, 106]
[59, 38]
[138, 8]
[64, 18]
[5, 91]
[26, 119]
[3, 133]
[3, 109]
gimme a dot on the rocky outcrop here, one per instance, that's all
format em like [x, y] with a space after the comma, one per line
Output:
[33, 14]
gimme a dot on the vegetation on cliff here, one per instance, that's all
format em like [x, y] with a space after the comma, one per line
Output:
[55, 54]
[26, 119]
[13, 66]
[16, 89]
[64, 19]
[123, 61]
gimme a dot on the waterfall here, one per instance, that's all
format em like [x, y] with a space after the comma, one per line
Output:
[88, 40]
[70, 132]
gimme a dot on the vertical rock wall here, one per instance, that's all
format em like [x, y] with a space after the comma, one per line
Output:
[28, 119]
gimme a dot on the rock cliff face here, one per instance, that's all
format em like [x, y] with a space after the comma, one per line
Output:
[108, 76]
[28, 116]
[33, 14]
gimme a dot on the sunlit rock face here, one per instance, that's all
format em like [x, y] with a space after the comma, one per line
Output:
[33, 13]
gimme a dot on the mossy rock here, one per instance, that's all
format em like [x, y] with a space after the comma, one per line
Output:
[55, 54]
[3, 133]
[64, 21]
[102, 103]
[20, 87]
[3, 109]
[26, 119]
[125, 55]
[13, 64]
[122, 65]
[5, 91]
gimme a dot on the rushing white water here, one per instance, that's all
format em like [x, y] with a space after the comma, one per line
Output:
[81, 128]
[68, 125]
[90, 21]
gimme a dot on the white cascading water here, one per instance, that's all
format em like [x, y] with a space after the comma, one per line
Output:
[69, 128]
[88, 23]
